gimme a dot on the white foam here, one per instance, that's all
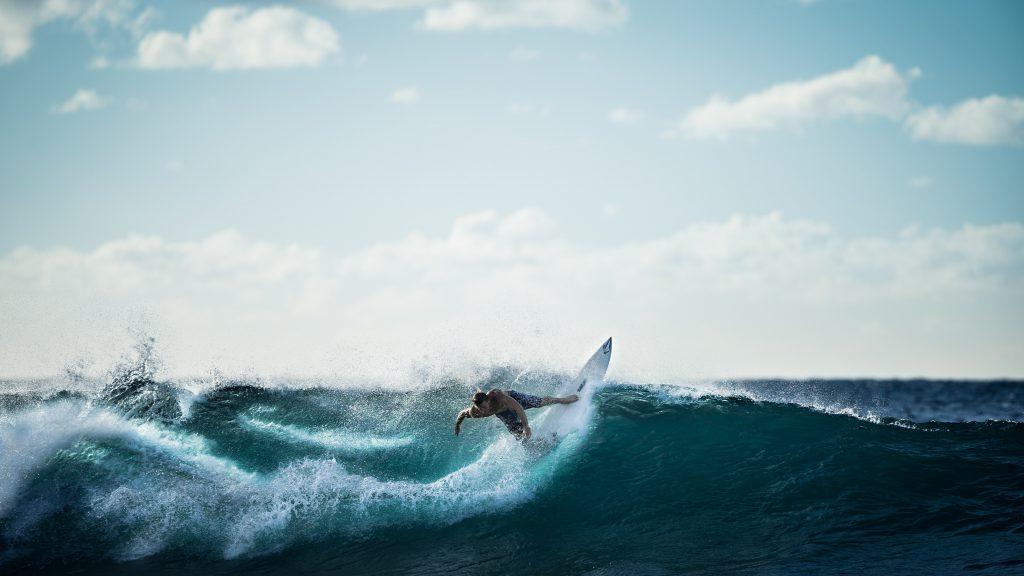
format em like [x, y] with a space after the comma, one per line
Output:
[561, 421]
[334, 438]
[179, 491]
[305, 490]
[29, 439]
[698, 390]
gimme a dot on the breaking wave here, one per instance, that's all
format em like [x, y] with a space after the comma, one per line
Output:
[759, 477]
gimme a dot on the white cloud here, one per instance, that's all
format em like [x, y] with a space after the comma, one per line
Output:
[406, 95]
[15, 32]
[584, 15]
[871, 88]
[457, 15]
[381, 5]
[990, 121]
[625, 116]
[235, 37]
[82, 101]
[20, 18]
[747, 295]
[523, 54]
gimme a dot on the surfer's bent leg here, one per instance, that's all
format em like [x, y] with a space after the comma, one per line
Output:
[527, 401]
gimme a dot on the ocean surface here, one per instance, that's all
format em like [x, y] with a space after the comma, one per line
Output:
[136, 475]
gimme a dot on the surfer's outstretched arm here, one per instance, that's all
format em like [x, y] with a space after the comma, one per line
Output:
[458, 421]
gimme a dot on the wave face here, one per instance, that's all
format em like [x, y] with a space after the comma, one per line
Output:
[751, 477]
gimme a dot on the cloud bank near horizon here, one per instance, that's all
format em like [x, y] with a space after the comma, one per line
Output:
[753, 295]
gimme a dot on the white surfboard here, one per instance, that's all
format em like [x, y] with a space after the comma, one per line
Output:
[561, 420]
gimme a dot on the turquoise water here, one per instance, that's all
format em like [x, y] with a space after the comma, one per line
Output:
[768, 477]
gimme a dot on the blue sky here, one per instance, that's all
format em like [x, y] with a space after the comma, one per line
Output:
[880, 121]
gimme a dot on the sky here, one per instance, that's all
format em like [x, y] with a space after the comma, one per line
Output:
[364, 187]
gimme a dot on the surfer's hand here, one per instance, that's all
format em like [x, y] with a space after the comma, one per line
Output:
[527, 432]
[573, 398]
[456, 430]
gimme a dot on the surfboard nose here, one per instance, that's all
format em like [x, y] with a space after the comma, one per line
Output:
[607, 346]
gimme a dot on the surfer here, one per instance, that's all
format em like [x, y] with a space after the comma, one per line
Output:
[510, 407]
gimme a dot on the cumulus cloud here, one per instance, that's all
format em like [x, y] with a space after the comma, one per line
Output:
[583, 15]
[625, 116]
[990, 121]
[381, 5]
[748, 295]
[406, 95]
[870, 88]
[80, 101]
[20, 18]
[236, 37]
[457, 15]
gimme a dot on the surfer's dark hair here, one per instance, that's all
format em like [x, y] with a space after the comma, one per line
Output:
[479, 398]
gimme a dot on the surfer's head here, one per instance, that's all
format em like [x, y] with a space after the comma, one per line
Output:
[480, 398]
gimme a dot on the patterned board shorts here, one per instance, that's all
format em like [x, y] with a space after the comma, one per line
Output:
[511, 420]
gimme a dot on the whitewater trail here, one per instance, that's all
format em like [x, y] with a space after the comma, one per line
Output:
[28, 439]
[331, 438]
[166, 484]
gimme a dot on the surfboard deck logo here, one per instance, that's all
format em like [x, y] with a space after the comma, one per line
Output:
[606, 350]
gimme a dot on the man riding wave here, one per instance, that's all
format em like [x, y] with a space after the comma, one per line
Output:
[510, 407]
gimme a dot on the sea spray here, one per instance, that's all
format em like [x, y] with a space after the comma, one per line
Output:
[733, 475]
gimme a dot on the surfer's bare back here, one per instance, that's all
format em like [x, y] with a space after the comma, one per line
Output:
[510, 407]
